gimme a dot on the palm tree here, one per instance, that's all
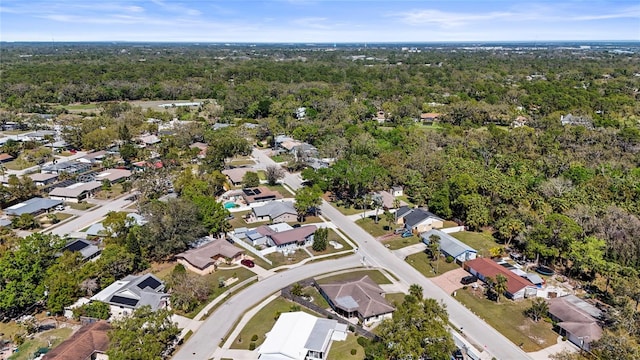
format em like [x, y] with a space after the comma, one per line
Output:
[389, 217]
[415, 290]
[434, 246]
[500, 286]
[376, 203]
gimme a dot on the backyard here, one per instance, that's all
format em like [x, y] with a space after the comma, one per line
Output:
[41, 340]
[262, 322]
[422, 262]
[508, 318]
[342, 349]
[482, 242]
[330, 249]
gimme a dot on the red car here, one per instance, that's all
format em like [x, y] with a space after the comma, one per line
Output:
[247, 263]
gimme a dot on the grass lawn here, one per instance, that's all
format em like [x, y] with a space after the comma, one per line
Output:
[317, 298]
[449, 224]
[279, 158]
[375, 275]
[346, 210]
[398, 242]
[262, 175]
[395, 299]
[80, 206]
[342, 349]
[482, 242]
[114, 191]
[18, 164]
[262, 322]
[213, 280]
[278, 259]
[241, 162]
[238, 220]
[330, 249]
[41, 340]
[9, 329]
[163, 270]
[507, 317]
[376, 230]
[307, 220]
[422, 262]
[281, 189]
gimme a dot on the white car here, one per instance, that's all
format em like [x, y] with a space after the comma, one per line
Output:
[60, 207]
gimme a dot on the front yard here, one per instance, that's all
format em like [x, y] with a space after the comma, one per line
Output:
[262, 322]
[330, 249]
[508, 318]
[278, 259]
[396, 242]
[422, 262]
[375, 275]
[376, 230]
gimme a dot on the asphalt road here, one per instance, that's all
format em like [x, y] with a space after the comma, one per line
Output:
[204, 342]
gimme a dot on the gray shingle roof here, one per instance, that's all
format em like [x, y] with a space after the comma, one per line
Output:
[363, 292]
[134, 291]
[274, 209]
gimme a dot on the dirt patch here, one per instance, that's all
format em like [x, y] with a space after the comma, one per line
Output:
[450, 281]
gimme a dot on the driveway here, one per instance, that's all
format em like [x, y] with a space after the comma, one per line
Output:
[410, 250]
[450, 281]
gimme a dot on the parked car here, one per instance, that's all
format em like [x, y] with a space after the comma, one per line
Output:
[468, 280]
[60, 207]
[248, 263]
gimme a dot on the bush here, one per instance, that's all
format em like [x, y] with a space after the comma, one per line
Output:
[352, 328]
[362, 341]
[254, 338]
[353, 351]
[449, 259]
[564, 338]
[252, 346]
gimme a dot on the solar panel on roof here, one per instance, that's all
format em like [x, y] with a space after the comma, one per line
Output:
[76, 246]
[257, 191]
[123, 300]
[149, 282]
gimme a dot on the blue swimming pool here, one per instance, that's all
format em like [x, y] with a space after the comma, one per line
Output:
[229, 205]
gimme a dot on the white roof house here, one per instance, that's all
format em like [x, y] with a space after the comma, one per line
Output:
[298, 336]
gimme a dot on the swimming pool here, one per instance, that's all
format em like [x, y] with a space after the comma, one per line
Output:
[229, 205]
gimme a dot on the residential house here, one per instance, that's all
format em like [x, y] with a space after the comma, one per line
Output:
[417, 220]
[95, 157]
[576, 319]
[76, 192]
[114, 175]
[200, 146]
[285, 241]
[33, 206]
[4, 157]
[380, 117]
[236, 175]
[43, 179]
[301, 336]
[517, 286]
[304, 151]
[205, 259]
[148, 140]
[301, 113]
[90, 342]
[259, 194]
[396, 191]
[275, 212]
[133, 292]
[388, 201]
[451, 246]
[520, 121]
[86, 248]
[429, 118]
[258, 236]
[362, 299]
[576, 120]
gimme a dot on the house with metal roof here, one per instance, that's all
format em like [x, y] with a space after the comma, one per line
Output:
[205, 259]
[362, 299]
[86, 248]
[69, 167]
[133, 292]
[301, 336]
[451, 246]
[576, 319]
[43, 179]
[33, 206]
[75, 192]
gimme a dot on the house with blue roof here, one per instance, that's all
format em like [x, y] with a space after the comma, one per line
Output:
[451, 246]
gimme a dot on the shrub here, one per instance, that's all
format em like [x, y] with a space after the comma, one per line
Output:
[254, 338]
[564, 338]
[252, 346]
[353, 351]
[362, 341]
[352, 328]
[449, 259]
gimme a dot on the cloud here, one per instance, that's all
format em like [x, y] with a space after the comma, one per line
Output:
[312, 22]
[177, 8]
[448, 19]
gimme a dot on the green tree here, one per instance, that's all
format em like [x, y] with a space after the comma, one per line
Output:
[145, 335]
[434, 246]
[128, 152]
[320, 239]
[94, 309]
[25, 222]
[307, 198]
[213, 214]
[62, 282]
[416, 291]
[500, 286]
[115, 262]
[250, 179]
[538, 309]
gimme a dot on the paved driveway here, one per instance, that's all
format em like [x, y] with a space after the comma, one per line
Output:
[450, 281]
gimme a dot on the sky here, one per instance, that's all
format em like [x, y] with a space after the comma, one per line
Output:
[313, 21]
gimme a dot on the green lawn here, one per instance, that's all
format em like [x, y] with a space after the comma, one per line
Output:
[41, 340]
[508, 318]
[80, 206]
[238, 220]
[342, 349]
[422, 262]
[398, 242]
[330, 249]
[345, 210]
[482, 242]
[262, 322]
[279, 158]
[375, 275]
[395, 299]
[241, 162]
[213, 280]
[18, 164]
[278, 259]
[317, 298]
[449, 224]
[376, 230]
[281, 189]
[9, 329]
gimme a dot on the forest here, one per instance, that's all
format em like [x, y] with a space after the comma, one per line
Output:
[565, 194]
